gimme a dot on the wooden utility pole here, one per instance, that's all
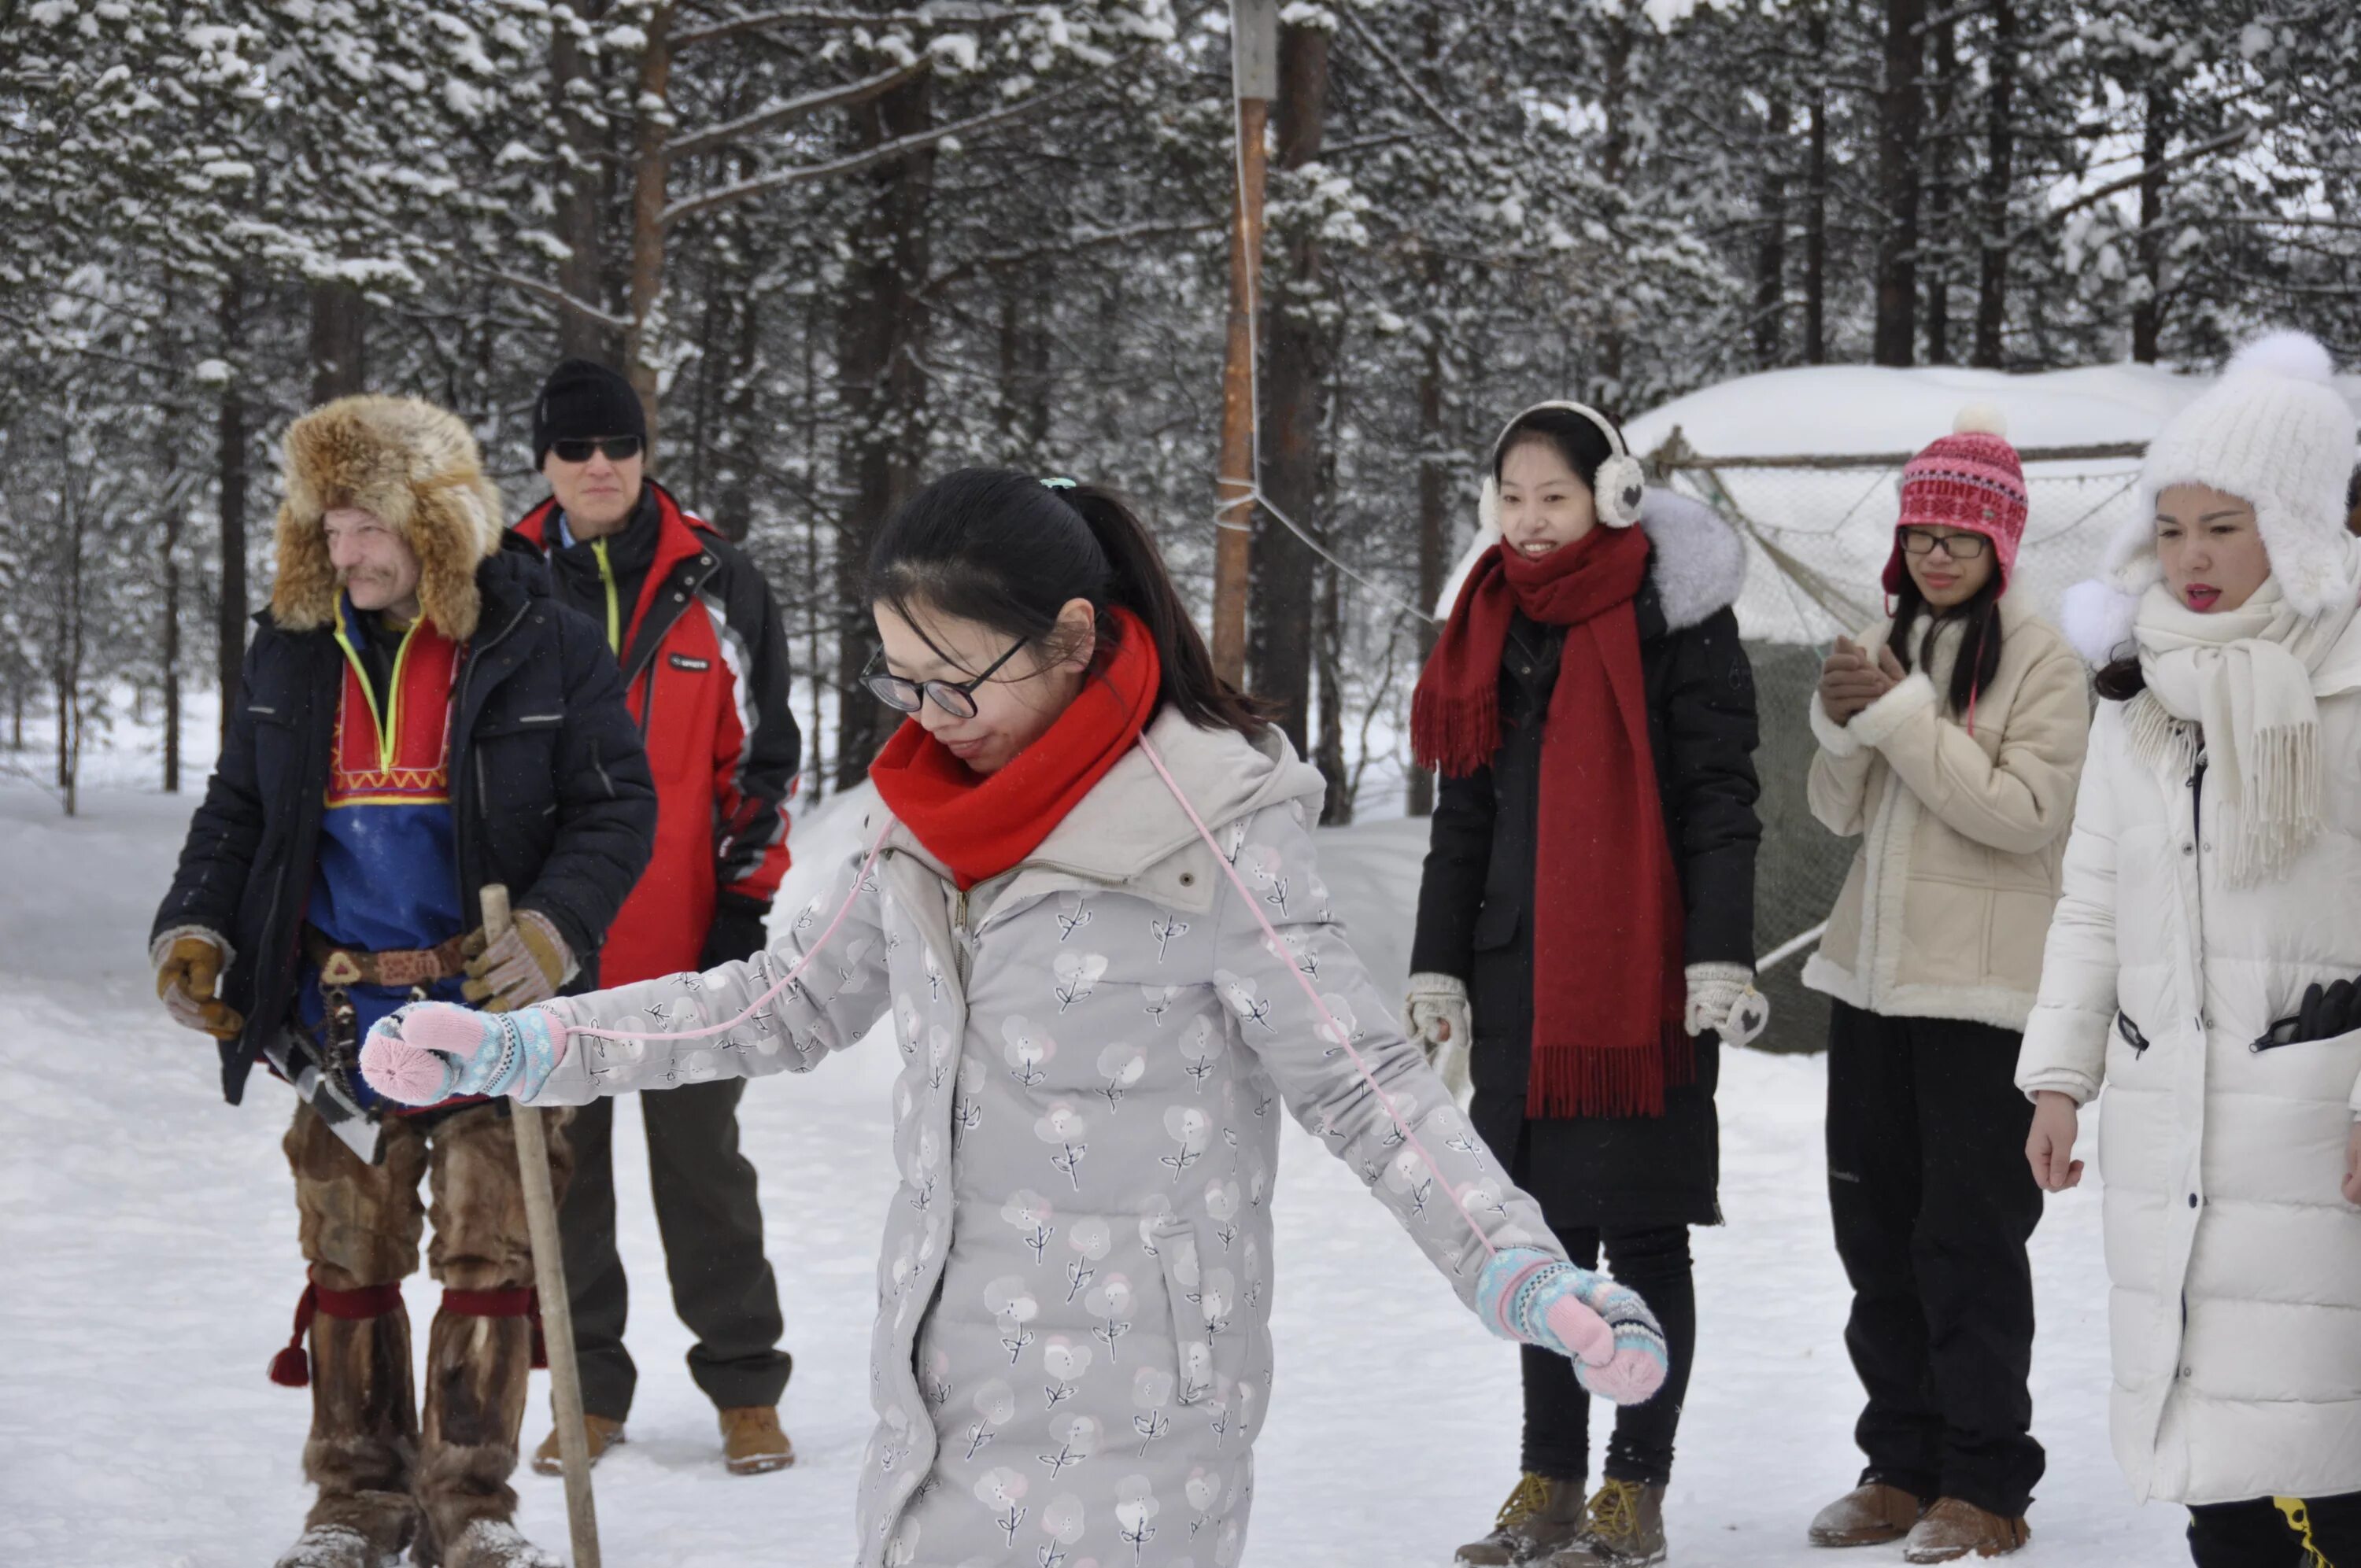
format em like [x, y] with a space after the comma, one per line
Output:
[1254, 73]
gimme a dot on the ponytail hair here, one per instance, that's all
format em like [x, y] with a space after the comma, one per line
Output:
[1002, 549]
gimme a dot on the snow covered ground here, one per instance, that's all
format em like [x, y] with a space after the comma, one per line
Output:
[148, 1269]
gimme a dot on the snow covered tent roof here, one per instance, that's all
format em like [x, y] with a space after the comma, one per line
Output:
[1817, 538]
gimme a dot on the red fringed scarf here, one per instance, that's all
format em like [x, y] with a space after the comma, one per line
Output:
[1608, 984]
[980, 825]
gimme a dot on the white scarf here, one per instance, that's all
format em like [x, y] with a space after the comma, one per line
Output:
[2244, 677]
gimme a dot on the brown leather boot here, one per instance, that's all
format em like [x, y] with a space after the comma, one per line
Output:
[1871, 1514]
[1953, 1530]
[1623, 1526]
[751, 1442]
[600, 1432]
[364, 1442]
[1543, 1514]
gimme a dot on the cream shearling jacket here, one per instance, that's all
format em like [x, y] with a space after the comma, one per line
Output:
[1948, 899]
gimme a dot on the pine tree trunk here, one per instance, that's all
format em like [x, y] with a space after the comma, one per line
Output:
[2000, 160]
[229, 316]
[1614, 149]
[880, 341]
[2156, 140]
[1770, 330]
[1296, 357]
[1901, 126]
[582, 274]
[1816, 195]
[171, 661]
[1433, 520]
[1336, 808]
[338, 341]
[649, 157]
[1941, 202]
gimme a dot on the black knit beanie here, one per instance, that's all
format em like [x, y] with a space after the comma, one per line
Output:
[581, 401]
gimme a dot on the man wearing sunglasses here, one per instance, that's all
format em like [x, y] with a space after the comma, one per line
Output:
[705, 667]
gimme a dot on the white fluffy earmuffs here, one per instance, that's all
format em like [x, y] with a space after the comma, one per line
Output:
[1618, 491]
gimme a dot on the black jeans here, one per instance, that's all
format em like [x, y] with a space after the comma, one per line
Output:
[1655, 1262]
[712, 1222]
[2255, 1534]
[1934, 1203]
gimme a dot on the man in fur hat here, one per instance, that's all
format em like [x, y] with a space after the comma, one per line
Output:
[418, 718]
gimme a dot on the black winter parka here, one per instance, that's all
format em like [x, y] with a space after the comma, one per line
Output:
[550, 792]
[1476, 901]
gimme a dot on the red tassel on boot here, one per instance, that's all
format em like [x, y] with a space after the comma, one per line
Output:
[292, 1368]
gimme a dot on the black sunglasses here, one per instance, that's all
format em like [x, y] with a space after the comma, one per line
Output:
[905, 696]
[618, 448]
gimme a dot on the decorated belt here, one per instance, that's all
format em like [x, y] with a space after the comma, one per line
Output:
[341, 967]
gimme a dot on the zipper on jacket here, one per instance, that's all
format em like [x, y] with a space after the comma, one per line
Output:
[2197, 881]
[2131, 1034]
[960, 937]
[473, 659]
[614, 611]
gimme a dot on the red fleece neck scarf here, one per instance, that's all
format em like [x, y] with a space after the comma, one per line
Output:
[1608, 984]
[980, 825]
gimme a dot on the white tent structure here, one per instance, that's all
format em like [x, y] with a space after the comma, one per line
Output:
[1818, 535]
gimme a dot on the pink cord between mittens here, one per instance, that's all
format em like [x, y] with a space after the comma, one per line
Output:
[1343, 1036]
[764, 1000]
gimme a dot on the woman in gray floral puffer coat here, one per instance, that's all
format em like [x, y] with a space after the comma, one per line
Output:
[1073, 1355]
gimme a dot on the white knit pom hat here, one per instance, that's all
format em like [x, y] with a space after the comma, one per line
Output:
[2276, 433]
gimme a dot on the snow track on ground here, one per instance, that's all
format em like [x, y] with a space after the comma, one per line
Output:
[148, 1271]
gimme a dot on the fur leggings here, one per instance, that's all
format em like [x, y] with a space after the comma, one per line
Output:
[379, 1469]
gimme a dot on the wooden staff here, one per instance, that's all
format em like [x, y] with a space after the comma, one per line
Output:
[549, 1280]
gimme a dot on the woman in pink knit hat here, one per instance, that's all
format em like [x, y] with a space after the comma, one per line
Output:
[1950, 741]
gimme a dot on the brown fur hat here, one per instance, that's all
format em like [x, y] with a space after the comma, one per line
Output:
[415, 466]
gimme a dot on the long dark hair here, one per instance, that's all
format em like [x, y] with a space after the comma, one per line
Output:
[1581, 443]
[1979, 632]
[1002, 549]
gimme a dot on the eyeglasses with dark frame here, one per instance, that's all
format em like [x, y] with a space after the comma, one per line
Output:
[1957, 546]
[905, 696]
[618, 448]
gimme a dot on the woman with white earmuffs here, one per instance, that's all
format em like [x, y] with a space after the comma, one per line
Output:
[1585, 919]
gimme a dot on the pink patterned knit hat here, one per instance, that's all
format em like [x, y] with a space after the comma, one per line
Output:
[1969, 479]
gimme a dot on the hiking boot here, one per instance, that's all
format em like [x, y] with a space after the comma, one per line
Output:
[603, 1434]
[1871, 1514]
[1543, 1514]
[495, 1543]
[337, 1546]
[1622, 1527]
[751, 1441]
[1953, 1530]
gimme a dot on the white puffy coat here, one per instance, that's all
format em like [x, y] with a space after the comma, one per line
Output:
[2234, 1262]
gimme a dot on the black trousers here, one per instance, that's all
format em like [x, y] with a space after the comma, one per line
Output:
[712, 1222]
[1934, 1203]
[1655, 1262]
[2257, 1534]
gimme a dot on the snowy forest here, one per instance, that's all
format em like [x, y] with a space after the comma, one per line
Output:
[842, 247]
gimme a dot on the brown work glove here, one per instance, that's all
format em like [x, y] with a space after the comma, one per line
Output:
[527, 965]
[189, 964]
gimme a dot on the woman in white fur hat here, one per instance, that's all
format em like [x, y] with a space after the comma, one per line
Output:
[2202, 961]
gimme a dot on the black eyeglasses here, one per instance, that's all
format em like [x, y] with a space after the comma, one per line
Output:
[618, 448]
[905, 695]
[1957, 546]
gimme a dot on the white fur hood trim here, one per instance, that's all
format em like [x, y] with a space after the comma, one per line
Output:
[1699, 564]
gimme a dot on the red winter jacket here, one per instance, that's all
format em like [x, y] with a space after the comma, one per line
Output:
[705, 667]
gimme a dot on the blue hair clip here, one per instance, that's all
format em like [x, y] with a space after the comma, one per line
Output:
[1058, 484]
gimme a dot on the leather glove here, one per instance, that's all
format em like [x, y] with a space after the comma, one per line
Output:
[528, 964]
[1722, 998]
[189, 964]
[739, 931]
[424, 1053]
[1439, 1016]
[1616, 1344]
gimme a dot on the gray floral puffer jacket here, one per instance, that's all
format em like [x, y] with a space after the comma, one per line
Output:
[1072, 1354]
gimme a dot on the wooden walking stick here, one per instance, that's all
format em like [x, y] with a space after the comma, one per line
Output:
[549, 1280]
